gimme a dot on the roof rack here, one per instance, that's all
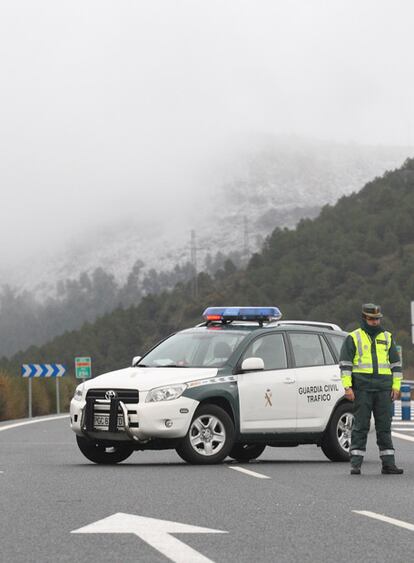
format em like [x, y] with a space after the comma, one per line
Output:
[318, 324]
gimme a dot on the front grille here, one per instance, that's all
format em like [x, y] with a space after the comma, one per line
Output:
[97, 403]
[124, 395]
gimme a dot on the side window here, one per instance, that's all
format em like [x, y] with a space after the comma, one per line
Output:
[336, 341]
[271, 348]
[329, 359]
[307, 349]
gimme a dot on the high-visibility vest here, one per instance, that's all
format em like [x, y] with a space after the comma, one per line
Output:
[363, 357]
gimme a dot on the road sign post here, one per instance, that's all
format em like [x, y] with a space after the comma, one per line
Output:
[83, 367]
[57, 397]
[412, 322]
[30, 398]
[43, 370]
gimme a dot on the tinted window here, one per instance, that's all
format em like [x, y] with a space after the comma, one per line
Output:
[336, 340]
[271, 348]
[329, 359]
[307, 350]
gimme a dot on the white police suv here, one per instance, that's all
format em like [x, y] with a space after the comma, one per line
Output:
[240, 381]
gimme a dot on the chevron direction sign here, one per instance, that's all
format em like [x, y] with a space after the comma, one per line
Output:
[43, 370]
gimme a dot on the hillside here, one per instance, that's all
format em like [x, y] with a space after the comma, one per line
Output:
[233, 206]
[361, 249]
[271, 181]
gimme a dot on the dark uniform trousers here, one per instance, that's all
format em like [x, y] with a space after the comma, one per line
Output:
[379, 403]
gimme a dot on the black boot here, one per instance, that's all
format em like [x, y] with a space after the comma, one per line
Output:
[391, 470]
[355, 470]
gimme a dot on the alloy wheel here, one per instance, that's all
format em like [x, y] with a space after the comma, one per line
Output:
[344, 430]
[207, 435]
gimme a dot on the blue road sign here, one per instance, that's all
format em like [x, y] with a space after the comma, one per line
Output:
[43, 370]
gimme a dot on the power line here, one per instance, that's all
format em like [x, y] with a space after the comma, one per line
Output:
[246, 250]
[193, 259]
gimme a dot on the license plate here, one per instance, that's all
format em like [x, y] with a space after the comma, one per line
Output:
[102, 421]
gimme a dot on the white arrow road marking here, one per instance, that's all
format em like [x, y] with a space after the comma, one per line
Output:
[248, 472]
[402, 436]
[383, 518]
[32, 421]
[154, 532]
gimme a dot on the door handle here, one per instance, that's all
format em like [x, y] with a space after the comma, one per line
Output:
[289, 380]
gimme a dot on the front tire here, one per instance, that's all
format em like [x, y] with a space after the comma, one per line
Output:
[246, 452]
[103, 454]
[209, 438]
[336, 442]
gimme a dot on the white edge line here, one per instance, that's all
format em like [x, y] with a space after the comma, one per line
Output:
[248, 472]
[383, 518]
[402, 436]
[33, 421]
[399, 421]
[402, 421]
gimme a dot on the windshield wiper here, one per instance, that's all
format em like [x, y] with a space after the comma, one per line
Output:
[160, 366]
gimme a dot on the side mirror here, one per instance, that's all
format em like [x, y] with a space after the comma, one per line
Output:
[252, 364]
[135, 360]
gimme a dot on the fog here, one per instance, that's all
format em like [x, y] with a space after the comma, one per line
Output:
[128, 109]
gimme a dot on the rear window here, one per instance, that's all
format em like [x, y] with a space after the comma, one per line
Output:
[336, 340]
[329, 359]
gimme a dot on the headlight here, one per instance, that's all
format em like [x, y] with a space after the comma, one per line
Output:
[78, 392]
[165, 393]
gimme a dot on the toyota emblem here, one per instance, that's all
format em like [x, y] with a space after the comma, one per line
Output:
[110, 395]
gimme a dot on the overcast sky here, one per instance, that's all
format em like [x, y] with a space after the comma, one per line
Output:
[124, 104]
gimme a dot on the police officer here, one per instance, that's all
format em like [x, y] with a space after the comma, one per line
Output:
[371, 373]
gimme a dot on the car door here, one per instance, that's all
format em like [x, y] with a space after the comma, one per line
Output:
[268, 398]
[318, 380]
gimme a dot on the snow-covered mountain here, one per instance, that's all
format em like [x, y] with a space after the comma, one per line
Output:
[273, 184]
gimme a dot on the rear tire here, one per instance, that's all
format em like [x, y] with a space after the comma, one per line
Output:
[103, 454]
[209, 438]
[245, 452]
[336, 442]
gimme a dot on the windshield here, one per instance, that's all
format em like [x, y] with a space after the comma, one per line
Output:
[201, 349]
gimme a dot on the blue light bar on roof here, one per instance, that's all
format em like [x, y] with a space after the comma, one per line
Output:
[242, 314]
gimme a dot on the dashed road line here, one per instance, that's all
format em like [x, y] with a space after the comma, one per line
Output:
[32, 421]
[248, 472]
[383, 518]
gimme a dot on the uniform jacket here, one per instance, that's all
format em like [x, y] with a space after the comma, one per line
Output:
[370, 381]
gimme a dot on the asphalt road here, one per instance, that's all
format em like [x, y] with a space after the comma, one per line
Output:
[302, 511]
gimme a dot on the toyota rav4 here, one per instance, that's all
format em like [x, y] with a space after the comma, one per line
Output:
[240, 381]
